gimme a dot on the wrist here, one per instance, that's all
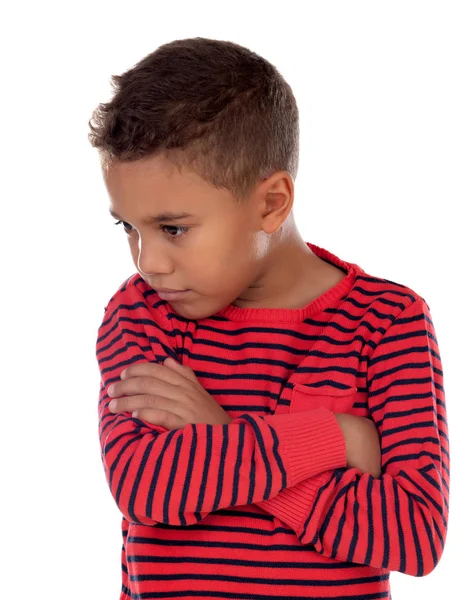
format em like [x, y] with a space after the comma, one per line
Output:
[362, 443]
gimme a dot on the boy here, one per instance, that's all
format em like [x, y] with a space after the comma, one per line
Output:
[279, 427]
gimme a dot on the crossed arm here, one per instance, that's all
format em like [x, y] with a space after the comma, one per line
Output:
[316, 471]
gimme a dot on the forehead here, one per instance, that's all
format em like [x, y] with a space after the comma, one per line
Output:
[152, 191]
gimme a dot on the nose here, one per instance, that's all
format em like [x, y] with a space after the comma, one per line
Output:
[153, 261]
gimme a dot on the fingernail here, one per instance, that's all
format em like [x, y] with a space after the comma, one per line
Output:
[112, 405]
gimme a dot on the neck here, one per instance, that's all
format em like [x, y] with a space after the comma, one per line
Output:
[285, 276]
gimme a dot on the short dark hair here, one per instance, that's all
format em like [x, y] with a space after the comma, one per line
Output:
[212, 106]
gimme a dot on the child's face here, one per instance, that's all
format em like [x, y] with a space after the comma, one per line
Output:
[220, 256]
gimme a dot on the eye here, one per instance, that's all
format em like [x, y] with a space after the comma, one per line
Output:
[124, 224]
[184, 230]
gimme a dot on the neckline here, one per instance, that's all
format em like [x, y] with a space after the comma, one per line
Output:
[293, 315]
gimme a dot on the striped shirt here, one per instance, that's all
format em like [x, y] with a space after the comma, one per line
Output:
[265, 507]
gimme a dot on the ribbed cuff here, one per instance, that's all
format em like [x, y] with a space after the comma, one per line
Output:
[311, 441]
[293, 505]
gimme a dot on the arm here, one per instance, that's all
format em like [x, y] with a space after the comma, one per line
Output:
[398, 521]
[362, 452]
[179, 476]
[362, 443]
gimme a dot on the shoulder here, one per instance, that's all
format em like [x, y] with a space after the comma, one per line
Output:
[127, 288]
[134, 293]
[382, 296]
[123, 292]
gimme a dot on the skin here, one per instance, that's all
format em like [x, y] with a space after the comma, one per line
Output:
[362, 443]
[249, 256]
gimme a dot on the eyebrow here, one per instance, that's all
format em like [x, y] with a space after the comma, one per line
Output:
[164, 217]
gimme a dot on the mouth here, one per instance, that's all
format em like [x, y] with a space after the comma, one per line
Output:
[171, 295]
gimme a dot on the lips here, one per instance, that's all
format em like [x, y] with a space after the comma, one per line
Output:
[175, 295]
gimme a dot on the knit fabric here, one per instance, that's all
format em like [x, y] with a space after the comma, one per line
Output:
[265, 507]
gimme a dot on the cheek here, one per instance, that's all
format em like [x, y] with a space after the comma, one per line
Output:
[220, 264]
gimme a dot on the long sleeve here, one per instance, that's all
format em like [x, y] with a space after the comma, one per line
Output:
[398, 521]
[177, 477]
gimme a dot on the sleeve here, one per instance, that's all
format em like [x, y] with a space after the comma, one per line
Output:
[399, 520]
[179, 476]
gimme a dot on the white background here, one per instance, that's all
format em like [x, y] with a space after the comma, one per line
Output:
[387, 98]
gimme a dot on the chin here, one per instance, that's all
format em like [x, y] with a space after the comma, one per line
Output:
[191, 311]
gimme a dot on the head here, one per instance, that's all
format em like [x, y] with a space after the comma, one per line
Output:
[208, 128]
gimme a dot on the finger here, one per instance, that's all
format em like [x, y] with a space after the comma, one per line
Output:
[131, 403]
[147, 385]
[177, 367]
[171, 371]
[150, 369]
[159, 417]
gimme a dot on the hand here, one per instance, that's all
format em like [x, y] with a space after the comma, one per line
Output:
[167, 394]
[362, 443]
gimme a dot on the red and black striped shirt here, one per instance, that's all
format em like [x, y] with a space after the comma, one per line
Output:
[265, 507]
